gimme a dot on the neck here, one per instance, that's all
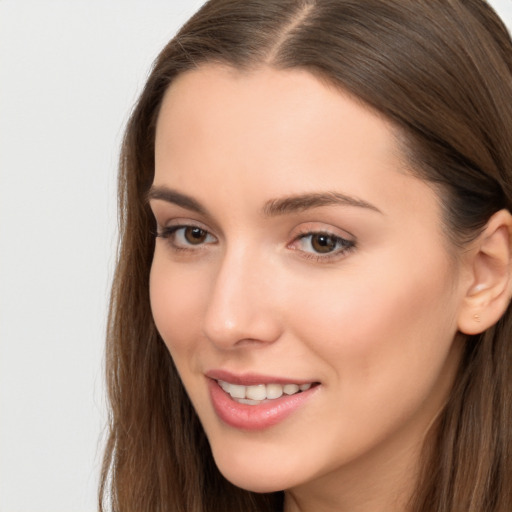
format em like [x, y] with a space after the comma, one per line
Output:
[382, 481]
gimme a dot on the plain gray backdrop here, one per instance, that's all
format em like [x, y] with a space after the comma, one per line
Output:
[70, 70]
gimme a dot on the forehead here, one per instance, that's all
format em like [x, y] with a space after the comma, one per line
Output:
[257, 97]
[281, 117]
[235, 140]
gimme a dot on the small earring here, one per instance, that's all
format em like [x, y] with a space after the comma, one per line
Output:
[476, 317]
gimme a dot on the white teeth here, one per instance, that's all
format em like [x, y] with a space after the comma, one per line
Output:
[291, 389]
[258, 392]
[224, 385]
[253, 395]
[236, 391]
[247, 401]
[274, 391]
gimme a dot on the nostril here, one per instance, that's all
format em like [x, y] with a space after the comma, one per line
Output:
[239, 313]
[241, 327]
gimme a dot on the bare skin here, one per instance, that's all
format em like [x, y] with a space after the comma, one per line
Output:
[295, 243]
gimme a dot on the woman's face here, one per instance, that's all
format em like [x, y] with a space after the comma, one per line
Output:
[297, 250]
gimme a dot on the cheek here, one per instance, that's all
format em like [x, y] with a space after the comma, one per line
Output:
[379, 330]
[386, 352]
[177, 302]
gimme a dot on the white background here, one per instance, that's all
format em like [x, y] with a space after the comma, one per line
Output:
[70, 70]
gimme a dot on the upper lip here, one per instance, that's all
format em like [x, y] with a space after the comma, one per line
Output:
[252, 379]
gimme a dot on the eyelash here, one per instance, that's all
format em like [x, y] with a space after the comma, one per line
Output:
[170, 232]
[343, 245]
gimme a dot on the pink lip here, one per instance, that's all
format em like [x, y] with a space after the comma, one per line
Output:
[254, 417]
[252, 379]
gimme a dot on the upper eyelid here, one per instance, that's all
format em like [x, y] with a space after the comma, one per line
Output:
[302, 230]
[332, 257]
[328, 257]
[346, 240]
[327, 233]
[185, 223]
[168, 234]
[176, 227]
[312, 228]
[344, 237]
[184, 218]
[191, 207]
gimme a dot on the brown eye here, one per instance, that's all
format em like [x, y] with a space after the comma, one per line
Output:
[324, 243]
[195, 235]
[183, 237]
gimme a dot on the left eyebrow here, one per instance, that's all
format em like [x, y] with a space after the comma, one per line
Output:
[298, 203]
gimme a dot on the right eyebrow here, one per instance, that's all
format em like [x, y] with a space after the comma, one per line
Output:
[298, 203]
[172, 196]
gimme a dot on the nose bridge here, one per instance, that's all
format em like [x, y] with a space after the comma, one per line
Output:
[239, 306]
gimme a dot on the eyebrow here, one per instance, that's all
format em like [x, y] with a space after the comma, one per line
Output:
[172, 196]
[304, 202]
[272, 208]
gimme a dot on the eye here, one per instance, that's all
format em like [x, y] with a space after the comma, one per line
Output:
[192, 235]
[322, 244]
[185, 237]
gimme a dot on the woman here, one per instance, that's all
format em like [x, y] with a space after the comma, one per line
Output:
[310, 310]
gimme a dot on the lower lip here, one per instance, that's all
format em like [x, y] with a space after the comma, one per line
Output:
[255, 417]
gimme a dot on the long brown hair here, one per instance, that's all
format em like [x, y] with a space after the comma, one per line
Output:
[441, 72]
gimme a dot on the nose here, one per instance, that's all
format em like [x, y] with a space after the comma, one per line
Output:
[241, 308]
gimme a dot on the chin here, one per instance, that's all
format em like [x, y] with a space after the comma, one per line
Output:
[257, 476]
[254, 483]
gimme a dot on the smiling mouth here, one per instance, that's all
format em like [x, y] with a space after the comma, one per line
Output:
[260, 393]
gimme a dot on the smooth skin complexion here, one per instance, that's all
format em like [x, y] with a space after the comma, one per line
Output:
[294, 246]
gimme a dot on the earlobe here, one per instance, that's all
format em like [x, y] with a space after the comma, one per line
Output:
[490, 263]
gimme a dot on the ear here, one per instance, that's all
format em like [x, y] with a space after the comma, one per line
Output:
[490, 269]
